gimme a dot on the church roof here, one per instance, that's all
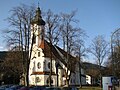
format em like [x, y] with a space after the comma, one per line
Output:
[72, 60]
[57, 53]
[47, 48]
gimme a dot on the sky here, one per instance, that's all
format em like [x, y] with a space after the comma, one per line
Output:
[97, 17]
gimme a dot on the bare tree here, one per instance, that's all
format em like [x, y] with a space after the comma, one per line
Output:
[69, 35]
[52, 33]
[80, 52]
[52, 25]
[68, 32]
[13, 65]
[99, 48]
[115, 53]
[19, 35]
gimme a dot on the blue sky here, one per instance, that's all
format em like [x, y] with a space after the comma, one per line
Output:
[97, 17]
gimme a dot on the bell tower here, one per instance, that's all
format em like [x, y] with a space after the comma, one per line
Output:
[37, 28]
[36, 66]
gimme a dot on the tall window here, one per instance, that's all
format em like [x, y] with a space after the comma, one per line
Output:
[48, 65]
[38, 54]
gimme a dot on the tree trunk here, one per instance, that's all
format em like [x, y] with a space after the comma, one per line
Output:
[80, 74]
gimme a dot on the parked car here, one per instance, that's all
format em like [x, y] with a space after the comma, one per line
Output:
[24, 88]
[53, 88]
[37, 88]
[5, 87]
[15, 87]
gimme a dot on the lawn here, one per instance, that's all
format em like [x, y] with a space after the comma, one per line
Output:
[90, 88]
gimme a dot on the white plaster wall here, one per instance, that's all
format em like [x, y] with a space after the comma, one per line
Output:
[44, 67]
[88, 79]
[60, 74]
[34, 55]
[32, 81]
[41, 80]
[33, 63]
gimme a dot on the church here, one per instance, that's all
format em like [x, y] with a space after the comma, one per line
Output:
[43, 53]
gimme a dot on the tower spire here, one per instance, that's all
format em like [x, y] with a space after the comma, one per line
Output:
[38, 4]
[38, 18]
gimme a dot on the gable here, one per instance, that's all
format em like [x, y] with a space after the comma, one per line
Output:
[57, 53]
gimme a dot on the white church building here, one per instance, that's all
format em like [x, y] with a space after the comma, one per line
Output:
[39, 69]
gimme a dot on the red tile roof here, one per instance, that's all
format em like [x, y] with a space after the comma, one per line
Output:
[52, 51]
[42, 44]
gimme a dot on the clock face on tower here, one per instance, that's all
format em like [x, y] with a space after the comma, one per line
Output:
[38, 65]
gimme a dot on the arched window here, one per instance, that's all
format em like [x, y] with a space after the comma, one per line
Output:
[48, 65]
[48, 79]
[38, 54]
[38, 65]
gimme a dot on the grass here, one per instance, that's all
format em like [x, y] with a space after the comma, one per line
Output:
[90, 88]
